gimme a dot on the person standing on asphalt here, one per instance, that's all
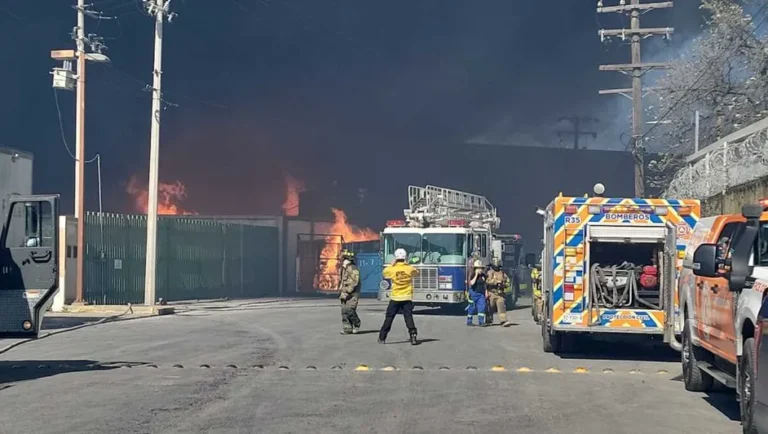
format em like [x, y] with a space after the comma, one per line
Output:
[401, 295]
[497, 281]
[349, 294]
[477, 295]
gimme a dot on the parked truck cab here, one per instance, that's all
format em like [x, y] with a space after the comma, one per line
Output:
[722, 286]
[28, 264]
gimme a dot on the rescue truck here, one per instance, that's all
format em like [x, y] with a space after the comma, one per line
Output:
[444, 232]
[610, 265]
[28, 263]
[722, 287]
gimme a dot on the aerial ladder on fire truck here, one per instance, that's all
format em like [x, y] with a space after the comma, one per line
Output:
[432, 206]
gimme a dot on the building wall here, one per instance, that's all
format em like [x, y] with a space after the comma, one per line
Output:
[515, 179]
[735, 197]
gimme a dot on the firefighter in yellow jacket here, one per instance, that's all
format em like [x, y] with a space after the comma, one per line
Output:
[495, 283]
[536, 293]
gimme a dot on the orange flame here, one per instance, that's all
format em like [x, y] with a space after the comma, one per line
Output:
[168, 196]
[327, 276]
[292, 189]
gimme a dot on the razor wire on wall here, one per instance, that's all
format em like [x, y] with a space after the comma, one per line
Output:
[727, 165]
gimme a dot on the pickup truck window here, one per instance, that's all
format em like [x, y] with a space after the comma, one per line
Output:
[724, 240]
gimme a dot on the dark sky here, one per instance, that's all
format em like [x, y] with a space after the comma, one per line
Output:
[259, 87]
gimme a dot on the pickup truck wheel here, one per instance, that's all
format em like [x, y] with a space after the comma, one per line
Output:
[747, 387]
[695, 379]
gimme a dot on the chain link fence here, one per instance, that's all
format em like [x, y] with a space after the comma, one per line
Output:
[724, 166]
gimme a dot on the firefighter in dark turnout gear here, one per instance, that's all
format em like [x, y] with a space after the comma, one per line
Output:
[496, 282]
[349, 293]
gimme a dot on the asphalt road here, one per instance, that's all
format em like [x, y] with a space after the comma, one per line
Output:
[284, 368]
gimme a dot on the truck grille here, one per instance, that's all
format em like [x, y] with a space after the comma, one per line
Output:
[426, 279]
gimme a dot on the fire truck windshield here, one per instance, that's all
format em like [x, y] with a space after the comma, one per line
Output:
[410, 242]
[446, 249]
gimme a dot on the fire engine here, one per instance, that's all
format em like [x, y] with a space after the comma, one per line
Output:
[610, 265]
[444, 232]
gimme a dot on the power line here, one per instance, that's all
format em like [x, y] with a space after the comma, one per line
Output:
[63, 134]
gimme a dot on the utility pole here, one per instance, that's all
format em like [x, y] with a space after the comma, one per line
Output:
[159, 10]
[80, 151]
[65, 79]
[637, 69]
[576, 121]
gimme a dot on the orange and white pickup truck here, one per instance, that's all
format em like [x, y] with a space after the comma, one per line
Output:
[721, 287]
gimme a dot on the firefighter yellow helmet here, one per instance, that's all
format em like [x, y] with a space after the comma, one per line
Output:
[496, 262]
[348, 254]
[479, 264]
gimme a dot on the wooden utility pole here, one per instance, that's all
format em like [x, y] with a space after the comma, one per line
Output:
[80, 152]
[637, 69]
[65, 79]
[577, 132]
[159, 10]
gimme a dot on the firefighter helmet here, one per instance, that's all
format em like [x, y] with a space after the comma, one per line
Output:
[348, 254]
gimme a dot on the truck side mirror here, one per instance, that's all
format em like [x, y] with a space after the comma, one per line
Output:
[705, 261]
[530, 259]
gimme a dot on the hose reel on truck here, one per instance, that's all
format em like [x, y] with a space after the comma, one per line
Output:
[615, 278]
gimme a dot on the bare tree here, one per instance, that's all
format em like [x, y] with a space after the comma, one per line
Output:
[724, 75]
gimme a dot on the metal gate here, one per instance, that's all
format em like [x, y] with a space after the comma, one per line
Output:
[318, 263]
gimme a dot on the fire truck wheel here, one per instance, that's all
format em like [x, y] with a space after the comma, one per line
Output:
[747, 387]
[551, 340]
[695, 379]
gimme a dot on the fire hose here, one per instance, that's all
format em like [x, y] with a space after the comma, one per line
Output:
[616, 286]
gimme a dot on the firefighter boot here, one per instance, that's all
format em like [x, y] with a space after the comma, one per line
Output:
[414, 341]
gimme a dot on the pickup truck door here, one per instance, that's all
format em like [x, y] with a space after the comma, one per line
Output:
[717, 306]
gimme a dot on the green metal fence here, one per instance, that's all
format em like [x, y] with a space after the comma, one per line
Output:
[197, 258]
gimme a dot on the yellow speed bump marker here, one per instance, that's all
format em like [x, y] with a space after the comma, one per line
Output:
[607, 371]
[389, 368]
[662, 371]
[498, 368]
[580, 370]
[553, 370]
[524, 369]
[634, 371]
[362, 368]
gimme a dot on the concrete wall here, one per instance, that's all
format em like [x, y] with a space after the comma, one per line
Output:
[67, 263]
[735, 197]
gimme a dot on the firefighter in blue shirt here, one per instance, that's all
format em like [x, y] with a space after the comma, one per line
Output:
[477, 295]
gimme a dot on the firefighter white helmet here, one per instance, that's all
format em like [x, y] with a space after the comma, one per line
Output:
[479, 264]
[400, 255]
